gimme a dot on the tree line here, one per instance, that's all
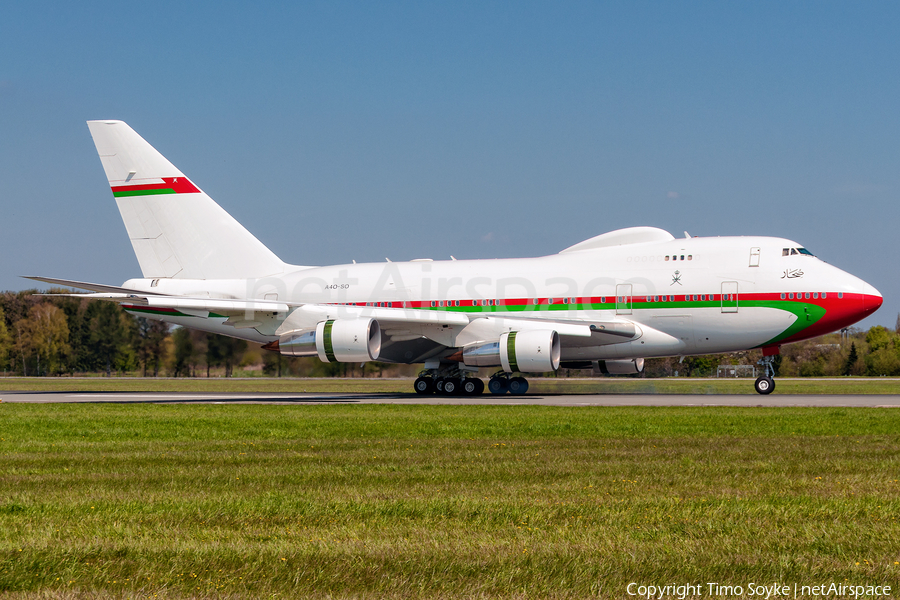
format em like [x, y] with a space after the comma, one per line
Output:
[47, 335]
[51, 336]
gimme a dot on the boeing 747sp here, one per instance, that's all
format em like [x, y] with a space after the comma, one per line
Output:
[608, 302]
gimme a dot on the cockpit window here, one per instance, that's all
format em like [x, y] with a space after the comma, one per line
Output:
[795, 251]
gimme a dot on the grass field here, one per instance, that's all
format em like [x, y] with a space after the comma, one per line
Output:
[337, 501]
[538, 385]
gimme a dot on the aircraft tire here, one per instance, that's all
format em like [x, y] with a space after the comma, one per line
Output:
[451, 386]
[764, 385]
[498, 385]
[424, 385]
[439, 385]
[518, 385]
[480, 385]
[470, 386]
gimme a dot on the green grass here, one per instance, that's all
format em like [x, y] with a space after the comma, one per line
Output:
[235, 501]
[538, 385]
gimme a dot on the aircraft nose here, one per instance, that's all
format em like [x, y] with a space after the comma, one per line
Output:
[871, 300]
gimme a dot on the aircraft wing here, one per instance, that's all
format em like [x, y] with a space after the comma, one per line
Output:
[447, 328]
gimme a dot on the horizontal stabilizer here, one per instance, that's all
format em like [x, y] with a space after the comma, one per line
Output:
[82, 285]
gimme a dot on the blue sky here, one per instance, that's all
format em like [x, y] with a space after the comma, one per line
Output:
[361, 130]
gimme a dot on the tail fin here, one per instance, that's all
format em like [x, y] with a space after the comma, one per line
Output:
[175, 228]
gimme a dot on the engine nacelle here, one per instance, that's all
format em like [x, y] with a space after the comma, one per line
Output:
[482, 355]
[300, 342]
[348, 340]
[342, 340]
[621, 367]
[529, 351]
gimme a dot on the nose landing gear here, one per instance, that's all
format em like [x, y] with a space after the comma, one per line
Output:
[765, 384]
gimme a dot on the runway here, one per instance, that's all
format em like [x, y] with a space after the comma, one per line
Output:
[748, 400]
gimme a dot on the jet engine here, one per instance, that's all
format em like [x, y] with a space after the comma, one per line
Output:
[343, 340]
[529, 351]
[299, 342]
[621, 367]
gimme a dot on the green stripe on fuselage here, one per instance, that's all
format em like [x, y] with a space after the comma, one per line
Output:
[166, 313]
[807, 314]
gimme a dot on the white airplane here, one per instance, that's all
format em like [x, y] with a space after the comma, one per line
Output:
[608, 302]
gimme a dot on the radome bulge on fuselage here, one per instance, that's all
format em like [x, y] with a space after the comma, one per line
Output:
[609, 301]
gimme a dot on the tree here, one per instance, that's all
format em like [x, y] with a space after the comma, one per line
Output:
[184, 352]
[223, 350]
[879, 337]
[851, 360]
[49, 335]
[22, 343]
[150, 341]
[5, 342]
[105, 333]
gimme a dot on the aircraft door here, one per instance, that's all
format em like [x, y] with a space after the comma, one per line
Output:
[623, 299]
[754, 257]
[729, 296]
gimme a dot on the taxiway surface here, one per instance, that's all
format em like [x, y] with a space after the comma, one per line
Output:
[487, 399]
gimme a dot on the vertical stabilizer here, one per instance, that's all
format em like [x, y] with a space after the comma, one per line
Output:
[175, 228]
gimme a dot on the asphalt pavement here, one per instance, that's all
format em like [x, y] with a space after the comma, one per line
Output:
[831, 400]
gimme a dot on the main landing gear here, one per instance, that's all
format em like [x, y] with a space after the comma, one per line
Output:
[765, 384]
[453, 382]
[450, 382]
[501, 382]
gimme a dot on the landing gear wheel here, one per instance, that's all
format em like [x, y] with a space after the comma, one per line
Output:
[424, 385]
[451, 386]
[471, 387]
[764, 385]
[518, 385]
[498, 385]
[439, 385]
